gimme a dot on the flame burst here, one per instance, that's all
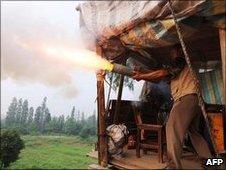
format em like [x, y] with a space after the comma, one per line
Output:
[84, 58]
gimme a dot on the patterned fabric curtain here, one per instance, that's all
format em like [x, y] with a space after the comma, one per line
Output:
[212, 86]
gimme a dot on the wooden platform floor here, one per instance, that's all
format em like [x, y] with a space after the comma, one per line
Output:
[149, 161]
[130, 161]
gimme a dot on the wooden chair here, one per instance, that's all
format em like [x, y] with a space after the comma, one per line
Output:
[149, 144]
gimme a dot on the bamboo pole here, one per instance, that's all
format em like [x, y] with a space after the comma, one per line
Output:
[102, 139]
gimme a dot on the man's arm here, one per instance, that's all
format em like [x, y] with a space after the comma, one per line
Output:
[169, 72]
[153, 76]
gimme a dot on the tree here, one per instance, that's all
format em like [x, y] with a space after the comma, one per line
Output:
[71, 127]
[73, 113]
[61, 124]
[43, 110]
[73, 110]
[83, 118]
[11, 144]
[27, 120]
[47, 116]
[19, 112]
[77, 127]
[24, 114]
[30, 115]
[37, 118]
[68, 128]
[94, 118]
[42, 116]
[54, 125]
[77, 116]
[91, 120]
[47, 122]
[11, 113]
[87, 130]
[32, 128]
[23, 126]
[44, 104]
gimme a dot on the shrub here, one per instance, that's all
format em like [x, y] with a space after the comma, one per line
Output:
[88, 131]
[11, 144]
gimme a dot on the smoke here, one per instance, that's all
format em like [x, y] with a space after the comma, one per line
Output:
[22, 41]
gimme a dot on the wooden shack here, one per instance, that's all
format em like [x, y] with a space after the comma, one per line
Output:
[145, 31]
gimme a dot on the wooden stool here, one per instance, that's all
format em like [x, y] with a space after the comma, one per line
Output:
[150, 145]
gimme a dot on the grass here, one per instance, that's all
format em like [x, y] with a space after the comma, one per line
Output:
[54, 152]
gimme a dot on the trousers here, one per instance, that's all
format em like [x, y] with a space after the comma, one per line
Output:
[184, 118]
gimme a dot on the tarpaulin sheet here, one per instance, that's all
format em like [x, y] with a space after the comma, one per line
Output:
[137, 25]
[140, 24]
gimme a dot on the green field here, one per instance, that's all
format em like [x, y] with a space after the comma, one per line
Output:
[54, 152]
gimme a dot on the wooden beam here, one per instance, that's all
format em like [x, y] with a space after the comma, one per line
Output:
[102, 139]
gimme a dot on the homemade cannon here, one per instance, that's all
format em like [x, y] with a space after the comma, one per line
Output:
[120, 69]
[124, 70]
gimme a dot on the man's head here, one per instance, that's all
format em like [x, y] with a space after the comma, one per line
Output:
[176, 51]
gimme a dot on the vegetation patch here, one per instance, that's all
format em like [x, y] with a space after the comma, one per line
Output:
[54, 152]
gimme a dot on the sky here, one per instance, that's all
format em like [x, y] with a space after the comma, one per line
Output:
[28, 73]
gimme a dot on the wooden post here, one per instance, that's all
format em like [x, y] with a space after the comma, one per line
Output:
[223, 58]
[118, 103]
[102, 139]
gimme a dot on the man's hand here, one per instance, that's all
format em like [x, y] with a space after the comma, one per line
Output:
[137, 75]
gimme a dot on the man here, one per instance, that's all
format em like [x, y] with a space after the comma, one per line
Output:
[184, 116]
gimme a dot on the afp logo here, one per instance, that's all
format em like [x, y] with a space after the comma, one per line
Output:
[214, 162]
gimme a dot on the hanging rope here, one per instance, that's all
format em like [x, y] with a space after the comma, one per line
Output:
[109, 91]
[188, 61]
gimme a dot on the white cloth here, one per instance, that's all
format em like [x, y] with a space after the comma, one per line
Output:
[117, 138]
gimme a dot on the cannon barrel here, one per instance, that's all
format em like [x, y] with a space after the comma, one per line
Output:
[118, 68]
